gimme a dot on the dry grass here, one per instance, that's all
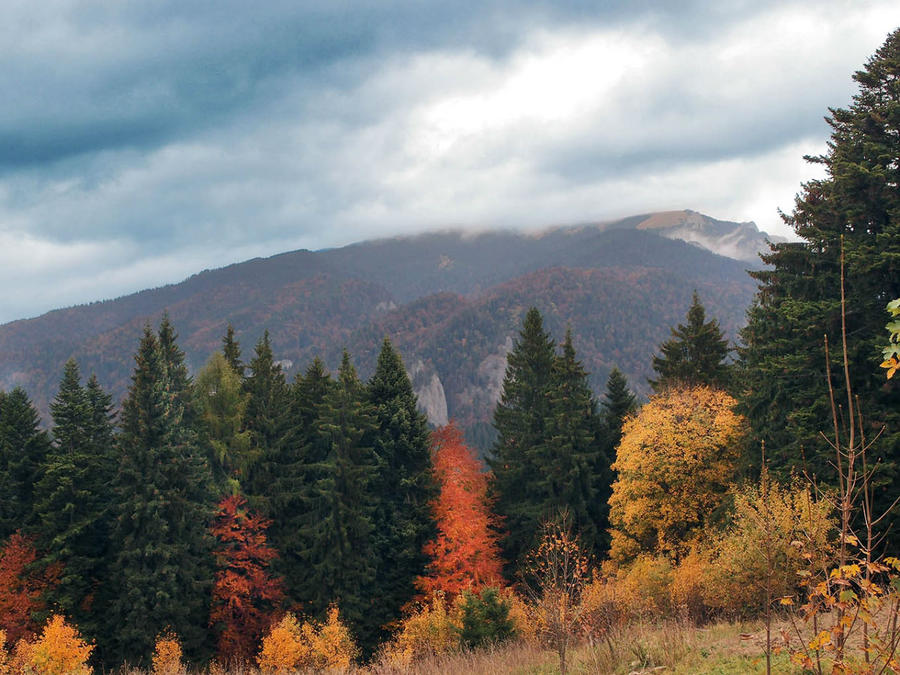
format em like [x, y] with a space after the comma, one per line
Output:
[666, 647]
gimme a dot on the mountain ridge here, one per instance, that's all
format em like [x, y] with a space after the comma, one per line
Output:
[452, 302]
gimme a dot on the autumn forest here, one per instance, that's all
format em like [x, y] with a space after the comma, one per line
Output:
[235, 520]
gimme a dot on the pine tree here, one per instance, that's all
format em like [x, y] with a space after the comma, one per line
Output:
[231, 349]
[520, 419]
[161, 547]
[221, 405]
[299, 462]
[266, 421]
[23, 450]
[568, 459]
[694, 355]
[784, 388]
[403, 486]
[72, 500]
[618, 404]
[338, 552]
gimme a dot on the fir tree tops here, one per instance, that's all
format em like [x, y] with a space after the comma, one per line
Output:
[550, 452]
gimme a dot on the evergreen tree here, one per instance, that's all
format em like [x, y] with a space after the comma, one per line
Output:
[23, 450]
[302, 455]
[231, 349]
[784, 388]
[694, 355]
[338, 553]
[221, 405]
[72, 500]
[568, 460]
[162, 565]
[403, 486]
[618, 404]
[266, 421]
[520, 419]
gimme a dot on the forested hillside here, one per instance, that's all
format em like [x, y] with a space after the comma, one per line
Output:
[451, 302]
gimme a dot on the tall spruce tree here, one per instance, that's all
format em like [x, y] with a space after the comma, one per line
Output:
[23, 450]
[266, 420]
[403, 487]
[162, 564]
[520, 419]
[571, 475]
[231, 349]
[618, 403]
[72, 501]
[784, 390]
[338, 553]
[694, 355]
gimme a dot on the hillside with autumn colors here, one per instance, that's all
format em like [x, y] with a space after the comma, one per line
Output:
[450, 301]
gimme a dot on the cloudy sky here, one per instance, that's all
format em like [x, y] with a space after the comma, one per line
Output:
[142, 142]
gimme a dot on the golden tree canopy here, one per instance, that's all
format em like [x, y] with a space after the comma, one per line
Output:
[675, 463]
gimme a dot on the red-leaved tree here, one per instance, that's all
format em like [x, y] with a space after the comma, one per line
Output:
[245, 596]
[466, 553]
[21, 587]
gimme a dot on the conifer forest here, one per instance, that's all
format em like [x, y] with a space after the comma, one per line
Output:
[232, 519]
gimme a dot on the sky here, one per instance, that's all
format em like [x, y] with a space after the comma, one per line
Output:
[143, 142]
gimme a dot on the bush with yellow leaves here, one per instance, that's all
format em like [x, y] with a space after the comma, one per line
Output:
[58, 650]
[642, 590]
[688, 591]
[167, 655]
[761, 549]
[429, 630]
[290, 646]
[5, 658]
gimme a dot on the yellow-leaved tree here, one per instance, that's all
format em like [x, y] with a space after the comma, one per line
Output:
[675, 464]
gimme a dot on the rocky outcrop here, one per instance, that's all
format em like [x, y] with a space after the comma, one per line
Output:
[430, 393]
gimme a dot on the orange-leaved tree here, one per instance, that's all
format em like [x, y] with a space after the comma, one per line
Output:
[465, 554]
[21, 587]
[675, 464]
[245, 595]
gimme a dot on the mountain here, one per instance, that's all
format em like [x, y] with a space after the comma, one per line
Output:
[741, 241]
[452, 302]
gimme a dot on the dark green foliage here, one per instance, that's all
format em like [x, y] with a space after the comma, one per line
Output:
[403, 487]
[231, 349]
[618, 403]
[548, 454]
[220, 405]
[572, 475]
[23, 449]
[300, 461]
[162, 565]
[485, 619]
[72, 501]
[337, 553]
[265, 420]
[783, 379]
[695, 354]
[520, 418]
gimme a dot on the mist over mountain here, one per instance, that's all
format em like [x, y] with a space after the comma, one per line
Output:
[452, 302]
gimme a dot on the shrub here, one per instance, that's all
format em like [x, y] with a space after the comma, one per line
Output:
[284, 648]
[290, 646]
[5, 659]
[59, 650]
[167, 655]
[331, 643]
[643, 589]
[688, 590]
[737, 576]
[429, 630]
[484, 618]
